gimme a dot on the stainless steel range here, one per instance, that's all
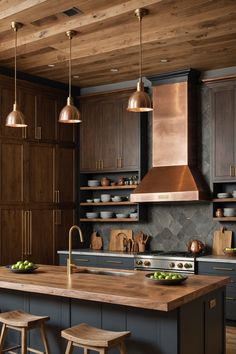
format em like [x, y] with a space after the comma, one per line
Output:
[183, 262]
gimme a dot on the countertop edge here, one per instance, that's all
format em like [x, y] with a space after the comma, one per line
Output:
[87, 252]
[219, 259]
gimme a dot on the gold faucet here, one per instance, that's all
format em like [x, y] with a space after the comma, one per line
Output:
[69, 263]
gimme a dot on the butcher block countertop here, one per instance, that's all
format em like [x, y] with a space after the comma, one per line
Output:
[129, 290]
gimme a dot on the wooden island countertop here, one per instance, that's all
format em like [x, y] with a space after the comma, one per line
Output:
[131, 290]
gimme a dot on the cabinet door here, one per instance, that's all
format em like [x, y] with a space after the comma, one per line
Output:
[46, 117]
[64, 219]
[90, 138]
[41, 173]
[12, 171]
[6, 106]
[65, 168]
[224, 122]
[130, 137]
[11, 221]
[109, 134]
[41, 236]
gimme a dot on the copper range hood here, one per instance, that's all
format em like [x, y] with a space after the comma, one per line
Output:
[174, 175]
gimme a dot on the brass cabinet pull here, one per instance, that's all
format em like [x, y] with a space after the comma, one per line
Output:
[24, 232]
[58, 196]
[24, 133]
[232, 171]
[212, 303]
[119, 164]
[101, 165]
[38, 133]
[230, 298]
[96, 165]
[30, 233]
[114, 262]
[221, 268]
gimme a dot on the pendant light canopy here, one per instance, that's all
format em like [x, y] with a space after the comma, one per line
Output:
[70, 114]
[15, 118]
[140, 101]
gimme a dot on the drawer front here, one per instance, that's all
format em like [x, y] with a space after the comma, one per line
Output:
[231, 303]
[116, 262]
[218, 268]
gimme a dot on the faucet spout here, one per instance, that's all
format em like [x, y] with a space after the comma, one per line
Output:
[69, 262]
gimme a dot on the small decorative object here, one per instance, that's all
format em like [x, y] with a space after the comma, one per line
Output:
[120, 181]
[105, 181]
[219, 213]
[195, 246]
[113, 183]
[231, 252]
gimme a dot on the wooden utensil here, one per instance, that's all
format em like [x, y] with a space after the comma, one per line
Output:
[96, 241]
[119, 240]
[222, 238]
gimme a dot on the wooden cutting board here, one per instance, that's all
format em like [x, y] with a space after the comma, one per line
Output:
[119, 239]
[96, 241]
[222, 238]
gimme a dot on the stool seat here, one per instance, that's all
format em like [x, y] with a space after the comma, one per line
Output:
[22, 322]
[19, 318]
[92, 336]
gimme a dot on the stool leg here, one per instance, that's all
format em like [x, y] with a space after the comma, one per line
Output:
[2, 337]
[69, 348]
[23, 341]
[122, 348]
[44, 338]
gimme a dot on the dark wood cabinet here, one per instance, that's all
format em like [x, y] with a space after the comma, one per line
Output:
[110, 135]
[223, 96]
[37, 176]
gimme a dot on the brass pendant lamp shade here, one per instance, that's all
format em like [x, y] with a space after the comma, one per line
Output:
[15, 118]
[140, 101]
[70, 114]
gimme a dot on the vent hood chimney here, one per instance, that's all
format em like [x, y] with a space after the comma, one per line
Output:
[174, 175]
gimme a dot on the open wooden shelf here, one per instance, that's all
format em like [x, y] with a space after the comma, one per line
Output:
[128, 186]
[107, 203]
[110, 220]
[225, 218]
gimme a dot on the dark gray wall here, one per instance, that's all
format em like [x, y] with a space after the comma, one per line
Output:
[171, 226]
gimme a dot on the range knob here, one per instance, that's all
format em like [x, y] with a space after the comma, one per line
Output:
[147, 263]
[187, 265]
[139, 262]
[172, 265]
[180, 265]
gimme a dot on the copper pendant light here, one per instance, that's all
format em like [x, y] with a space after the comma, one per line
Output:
[15, 119]
[70, 114]
[140, 101]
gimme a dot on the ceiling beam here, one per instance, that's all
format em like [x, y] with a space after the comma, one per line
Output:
[19, 7]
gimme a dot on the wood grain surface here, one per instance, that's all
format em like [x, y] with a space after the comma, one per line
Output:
[130, 290]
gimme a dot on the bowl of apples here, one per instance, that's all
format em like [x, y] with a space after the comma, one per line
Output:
[23, 267]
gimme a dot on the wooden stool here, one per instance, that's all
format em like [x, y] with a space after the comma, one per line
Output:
[91, 338]
[22, 322]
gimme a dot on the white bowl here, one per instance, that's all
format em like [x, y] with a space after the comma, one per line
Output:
[133, 215]
[229, 211]
[89, 200]
[223, 195]
[105, 197]
[122, 215]
[96, 200]
[106, 214]
[116, 198]
[92, 215]
[93, 183]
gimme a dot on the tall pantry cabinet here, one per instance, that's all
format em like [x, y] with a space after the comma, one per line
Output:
[37, 199]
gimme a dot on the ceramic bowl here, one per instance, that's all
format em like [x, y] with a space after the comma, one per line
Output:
[93, 183]
[229, 211]
[105, 198]
[106, 214]
[223, 195]
[116, 198]
[133, 215]
[122, 215]
[234, 194]
[96, 200]
[89, 200]
[92, 215]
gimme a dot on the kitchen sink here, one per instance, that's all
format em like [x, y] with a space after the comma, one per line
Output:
[104, 272]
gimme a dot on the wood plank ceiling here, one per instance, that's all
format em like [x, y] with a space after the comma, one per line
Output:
[185, 33]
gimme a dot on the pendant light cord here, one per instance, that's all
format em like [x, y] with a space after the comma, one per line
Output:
[70, 68]
[15, 59]
[140, 48]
